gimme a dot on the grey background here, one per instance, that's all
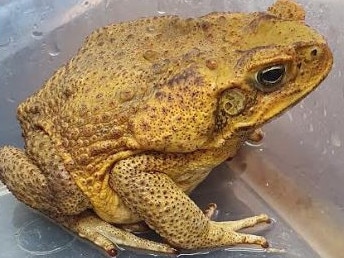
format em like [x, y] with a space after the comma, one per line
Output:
[296, 175]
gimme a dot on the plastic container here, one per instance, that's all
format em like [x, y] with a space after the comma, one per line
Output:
[296, 175]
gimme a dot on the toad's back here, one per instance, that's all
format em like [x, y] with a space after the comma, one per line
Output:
[87, 104]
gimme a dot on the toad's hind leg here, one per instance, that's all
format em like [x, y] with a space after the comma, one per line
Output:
[170, 212]
[246, 222]
[27, 182]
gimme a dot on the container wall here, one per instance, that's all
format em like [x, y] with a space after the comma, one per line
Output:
[295, 175]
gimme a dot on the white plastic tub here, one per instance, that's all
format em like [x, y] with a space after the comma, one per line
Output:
[296, 175]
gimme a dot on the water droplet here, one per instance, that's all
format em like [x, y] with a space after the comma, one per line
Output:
[254, 144]
[161, 8]
[5, 42]
[53, 49]
[315, 104]
[41, 237]
[37, 34]
[325, 112]
[54, 53]
[227, 213]
[11, 100]
[310, 128]
[335, 140]
[290, 116]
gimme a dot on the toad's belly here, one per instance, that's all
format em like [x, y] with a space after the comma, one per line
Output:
[189, 181]
[107, 204]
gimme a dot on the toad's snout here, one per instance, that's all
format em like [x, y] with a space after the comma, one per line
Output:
[316, 63]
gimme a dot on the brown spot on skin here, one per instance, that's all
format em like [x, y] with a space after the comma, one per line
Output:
[159, 95]
[211, 64]
[205, 26]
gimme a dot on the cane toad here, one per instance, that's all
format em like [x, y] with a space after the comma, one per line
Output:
[138, 118]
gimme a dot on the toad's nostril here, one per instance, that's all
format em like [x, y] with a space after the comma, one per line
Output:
[314, 52]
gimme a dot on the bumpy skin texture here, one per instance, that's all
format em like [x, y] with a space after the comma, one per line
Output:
[139, 117]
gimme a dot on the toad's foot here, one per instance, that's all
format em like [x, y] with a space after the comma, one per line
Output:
[210, 211]
[240, 224]
[107, 236]
[246, 223]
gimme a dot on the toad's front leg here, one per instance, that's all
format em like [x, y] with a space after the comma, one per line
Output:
[170, 212]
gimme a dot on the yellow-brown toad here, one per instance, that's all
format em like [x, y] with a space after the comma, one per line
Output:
[139, 117]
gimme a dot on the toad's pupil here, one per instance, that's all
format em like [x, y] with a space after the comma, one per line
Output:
[272, 75]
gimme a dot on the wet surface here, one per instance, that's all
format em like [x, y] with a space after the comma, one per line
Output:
[27, 233]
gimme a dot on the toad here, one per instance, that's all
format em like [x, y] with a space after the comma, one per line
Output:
[139, 117]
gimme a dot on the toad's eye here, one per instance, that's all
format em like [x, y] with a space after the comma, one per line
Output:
[269, 78]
